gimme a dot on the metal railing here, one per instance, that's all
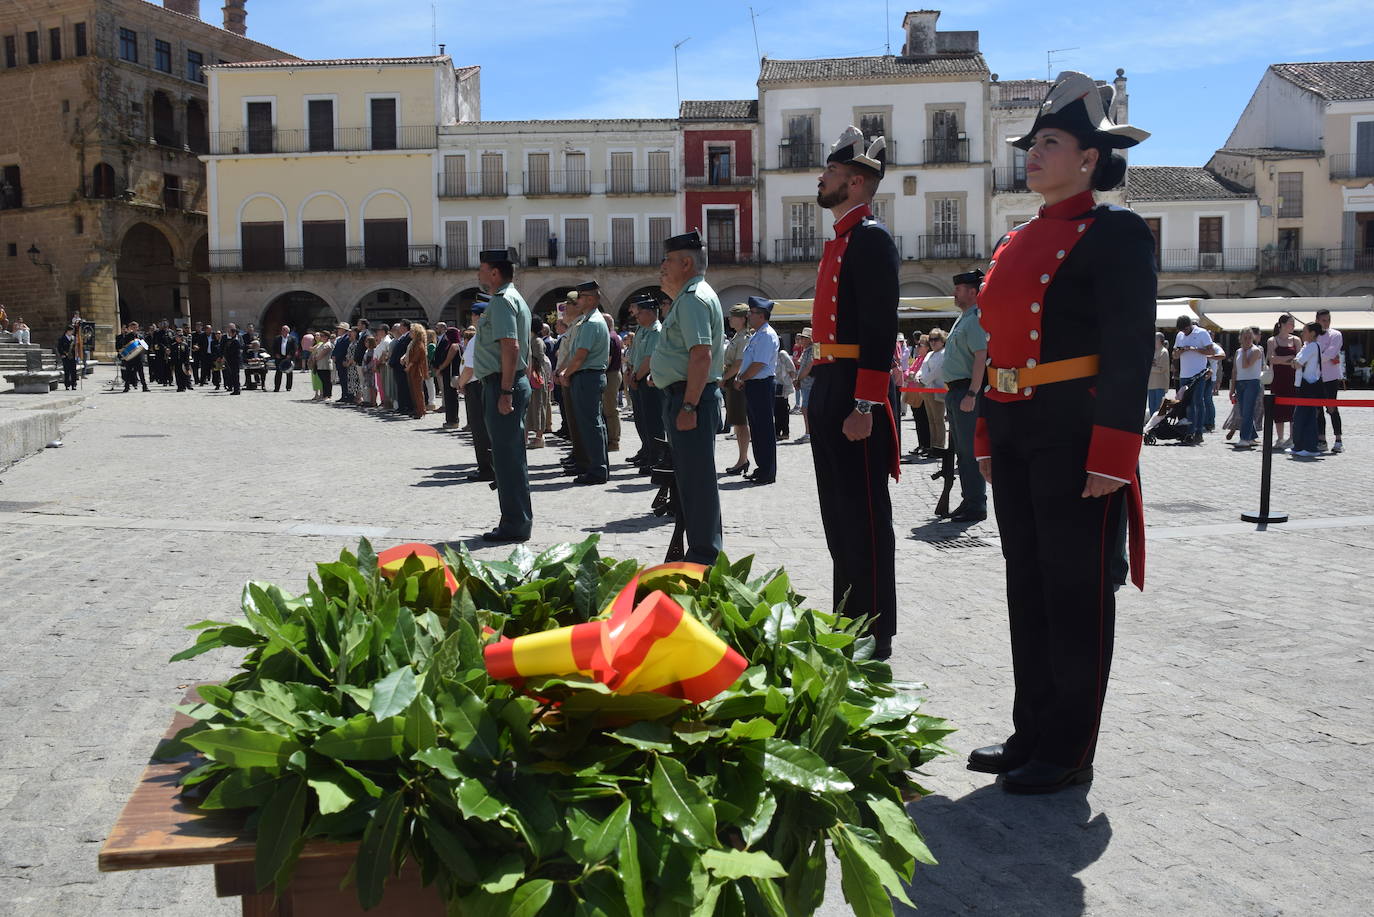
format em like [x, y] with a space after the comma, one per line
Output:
[941, 150]
[328, 258]
[1191, 259]
[640, 181]
[559, 181]
[800, 155]
[308, 140]
[1009, 178]
[1352, 165]
[1293, 261]
[472, 184]
[1350, 259]
[946, 245]
[798, 248]
[738, 255]
[728, 181]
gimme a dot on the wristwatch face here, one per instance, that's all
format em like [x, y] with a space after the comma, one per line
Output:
[689, 408]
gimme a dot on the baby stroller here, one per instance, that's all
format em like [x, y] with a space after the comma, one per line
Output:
[1171, 420]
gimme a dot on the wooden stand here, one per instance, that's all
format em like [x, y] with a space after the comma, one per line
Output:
[157, 829]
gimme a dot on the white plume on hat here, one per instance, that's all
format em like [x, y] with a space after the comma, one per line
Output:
[852, 142]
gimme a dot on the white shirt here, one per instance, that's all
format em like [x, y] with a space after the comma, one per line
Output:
[762, 347]
[1243, 372]
[1193, 362]
[1308, 361]
[467, 353]
[1329, 342]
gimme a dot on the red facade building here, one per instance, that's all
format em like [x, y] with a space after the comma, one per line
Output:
[720, 183]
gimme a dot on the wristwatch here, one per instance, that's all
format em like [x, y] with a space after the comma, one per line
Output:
[688, 407]
[863, 407]
[508, 391]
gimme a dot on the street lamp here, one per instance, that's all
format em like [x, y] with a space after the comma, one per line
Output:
[34, 253]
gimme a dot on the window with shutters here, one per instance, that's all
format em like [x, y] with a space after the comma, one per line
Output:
[493, 234]
[800, 150]
[944, 145]
[802, 243]
[945, 212]
[621, 177]
[384, 243]
[660, 228]
[579, 180]
[882, 209]
[54, 44]
[455, 176]
[946, 239]
[622, 240]
[873, 124]
[660, 173]
[1290, 194]
[493, 174]
[720, 235]
[718, 165]
[1364, 148]
[383, 123]
[577, 240]
[264, 246]
[79, 39]
[456, 244]
[321, 115]
[537, 174]
[536, 241]
[324, 244]
[260, 127]
[128, 45]
[1209, 234]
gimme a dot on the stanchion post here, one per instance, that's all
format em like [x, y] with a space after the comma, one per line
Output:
[1266, 470]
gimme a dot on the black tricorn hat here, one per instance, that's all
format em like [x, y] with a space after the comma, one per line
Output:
[852, 149]
[589, 286]
[495, 256]
[972, 278]
[645, 301]
[685, 242]
[1075, 103]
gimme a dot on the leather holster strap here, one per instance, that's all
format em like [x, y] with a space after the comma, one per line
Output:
[1012, 381]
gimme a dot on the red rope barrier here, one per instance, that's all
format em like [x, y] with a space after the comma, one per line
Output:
[1326, 402]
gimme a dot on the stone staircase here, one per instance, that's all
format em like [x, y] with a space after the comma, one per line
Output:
[13, 359]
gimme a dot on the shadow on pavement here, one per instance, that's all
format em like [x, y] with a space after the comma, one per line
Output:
[1006, 855]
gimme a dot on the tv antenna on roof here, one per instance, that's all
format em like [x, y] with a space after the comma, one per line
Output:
[677, 82]
[1050, 61]
[434, 25]
[754, 21]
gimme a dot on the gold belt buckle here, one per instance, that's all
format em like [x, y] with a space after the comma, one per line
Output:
[1007, 382]
[816, 351]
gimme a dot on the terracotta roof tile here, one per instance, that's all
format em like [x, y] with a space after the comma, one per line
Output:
[719, 110]
[1179, 183]
[857, 68]
[335, 62]
[1332, 80]
[1271, 152]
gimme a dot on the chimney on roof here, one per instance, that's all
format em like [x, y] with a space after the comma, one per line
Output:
[920, 33]
[184, 7]
[235, 17]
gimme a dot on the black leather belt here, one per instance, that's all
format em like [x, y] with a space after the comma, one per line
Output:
[960, 382]
[676, 387]
[495, 378]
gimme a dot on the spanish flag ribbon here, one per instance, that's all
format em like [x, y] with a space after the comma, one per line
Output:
[391, 560]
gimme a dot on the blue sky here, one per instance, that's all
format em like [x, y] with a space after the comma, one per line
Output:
[1191, 65]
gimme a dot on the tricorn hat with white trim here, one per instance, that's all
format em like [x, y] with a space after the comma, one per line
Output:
[853, 150]
[1075, 103]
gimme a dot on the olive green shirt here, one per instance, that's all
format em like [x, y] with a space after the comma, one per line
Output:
[965, 337]
[646, 341]
[734, 348]
[593, 335]
[507, 317]
[694, 320]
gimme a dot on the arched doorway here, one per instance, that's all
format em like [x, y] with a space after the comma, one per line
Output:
[164, 121]
[623, 318]
[1179, 290]
[388, 305]
[302, 310]
[552, 303]
[1269, 291]
[457, 312]
[146, 277]
[921, 288]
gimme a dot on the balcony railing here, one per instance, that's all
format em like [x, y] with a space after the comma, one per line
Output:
[560, 181]
[800, 155]
[1350, 259]
[1352, 165]
[327, 258]
[942, 150]
[1293, 261]
[640, 181]
[339, 139]
[946, 245]
[726, 181]
[1190, 259]
[1009, 178]
[472, 184]
[798, 248]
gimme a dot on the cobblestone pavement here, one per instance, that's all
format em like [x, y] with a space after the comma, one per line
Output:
[1237, 721]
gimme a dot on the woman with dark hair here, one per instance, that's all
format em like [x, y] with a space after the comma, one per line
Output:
[1282, 348]
[1308, 367]
[1068, 304]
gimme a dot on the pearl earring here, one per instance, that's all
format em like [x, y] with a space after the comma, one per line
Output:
[1082, 168]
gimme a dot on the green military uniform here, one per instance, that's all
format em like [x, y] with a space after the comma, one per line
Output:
[586, 387]
[694, 320]
[646, 400]
[507, 317]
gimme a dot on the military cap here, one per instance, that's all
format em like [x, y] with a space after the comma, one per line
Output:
[971, 278]
[645, 301]
[684, 242]
[588, 286]
[851, 149]
[495, 256]
[739, 308]
[762, 304]
[1075, 103]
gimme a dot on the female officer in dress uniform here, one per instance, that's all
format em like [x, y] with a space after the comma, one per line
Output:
[1068, 304]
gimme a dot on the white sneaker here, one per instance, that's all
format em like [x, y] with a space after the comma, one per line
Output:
[1247, 443]
[1337, 447]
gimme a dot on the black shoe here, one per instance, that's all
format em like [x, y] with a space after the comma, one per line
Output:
[496, 536]
[481, 476]
[882, 649]
[588, 479]
[757, 477]
[1042, 777]
[736, 469]
[968, 515]
[993, 759]
[645, 470]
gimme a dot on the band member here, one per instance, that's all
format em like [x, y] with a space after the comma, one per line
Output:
[853, 432]
[201, 361]
[1068, 304]
[180, 358]
[132, 370]
[686, 367]
[500, 360]
[233, 360]
[67, 352]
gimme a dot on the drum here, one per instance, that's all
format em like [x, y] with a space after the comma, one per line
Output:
[133, 350]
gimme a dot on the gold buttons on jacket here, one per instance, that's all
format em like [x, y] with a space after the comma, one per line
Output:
[1035, 335]
[1035, 307]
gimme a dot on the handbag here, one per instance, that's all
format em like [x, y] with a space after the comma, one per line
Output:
[1267, 376]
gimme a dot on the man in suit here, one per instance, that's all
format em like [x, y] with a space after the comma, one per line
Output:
[405, 404]
[179, 357]
[285, 348]
[201, 343]
[233, 359]
[66, 351]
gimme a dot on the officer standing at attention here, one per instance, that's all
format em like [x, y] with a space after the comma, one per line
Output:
[757, 379]
[472, 396]
[966, 353]
[853, 432]
[586, 375]
[686, 367]
[500, 358]
[647, 400]
[1069, 308]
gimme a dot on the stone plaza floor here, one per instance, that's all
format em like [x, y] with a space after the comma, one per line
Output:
[1240, 710]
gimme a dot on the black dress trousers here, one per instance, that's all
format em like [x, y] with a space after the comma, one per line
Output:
[856, 509]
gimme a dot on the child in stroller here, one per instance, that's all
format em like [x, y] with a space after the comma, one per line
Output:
[1171, 420]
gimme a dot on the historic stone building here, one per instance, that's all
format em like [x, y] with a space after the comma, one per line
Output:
[102, 198]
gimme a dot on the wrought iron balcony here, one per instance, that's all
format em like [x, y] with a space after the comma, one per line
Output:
[800, 155]
[719, 181]
[560, 181]
[1352, 165]
[946, 149]
[327, 258]
[1292, 261]
[1172, 260]
[254, 141]
[946, 245]
[1009, 178]
[472, 184]
[1350, 259]
[640, 181]
[798, 248]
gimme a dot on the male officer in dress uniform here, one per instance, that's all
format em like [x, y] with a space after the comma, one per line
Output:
[757, 379]
[500, 359]
[966, 352]
[853, 432]
[472, 398]
[585, 372]
[647, 400]
[686, 366]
